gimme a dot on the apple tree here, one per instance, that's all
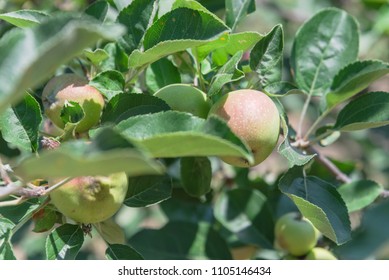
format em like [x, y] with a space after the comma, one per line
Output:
[143, 126]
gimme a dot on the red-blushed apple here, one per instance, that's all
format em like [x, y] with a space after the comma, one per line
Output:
[91, 199]
[253, 117]
[70, 87]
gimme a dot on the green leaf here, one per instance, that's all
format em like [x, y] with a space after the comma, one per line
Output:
[72, 113]
[371, 237]
[136, 17]
[164, 38]
[147, 190]
[44, 47]
[178, 134]
[45, 219]
[359, 194]
[64, 242]
[293, 155]
[323, 45]
[196, 175]
[229, 44]
[162, 73]
[280, 89]
[226, 74]
[319, 202]
[245, 213]
[109, 83]
[266, 56]
[25, 18]
[367, 111]
[354, 78]
[6, 252]
[96, 56]
[19, 125]
[126, 105]
[181, 240]
[121, 4]
[122, 252]
[236, 10]
[16, 213]
[117, 58]
[107, 153]
[111, 232]
[98, 10]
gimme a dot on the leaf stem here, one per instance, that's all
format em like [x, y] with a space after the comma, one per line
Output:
[316, 123]
[198, 67]
[302, 116]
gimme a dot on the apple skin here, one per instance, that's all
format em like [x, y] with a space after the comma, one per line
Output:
[185, 98]
[91, 199]
[70, 87]
[253, 117]
[295, 234]
[318, 253]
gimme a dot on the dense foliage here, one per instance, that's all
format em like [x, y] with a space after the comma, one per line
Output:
[160, 66]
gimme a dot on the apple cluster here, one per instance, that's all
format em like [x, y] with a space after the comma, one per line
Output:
[296, 235]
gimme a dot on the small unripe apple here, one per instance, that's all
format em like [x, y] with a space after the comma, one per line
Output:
[295, 234]
[91, 199]
[185, 98]
[253, 117]
[70, 87]
[318, 253]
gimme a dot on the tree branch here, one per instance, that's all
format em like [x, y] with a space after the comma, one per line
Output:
[331, 166]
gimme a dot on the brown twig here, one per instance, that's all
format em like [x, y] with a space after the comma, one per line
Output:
[331, 166]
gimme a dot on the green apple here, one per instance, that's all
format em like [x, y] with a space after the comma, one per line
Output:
[70, 87]
[253, 117]
[185, 98]
[295, 234]
[318, 253]
[91, 199]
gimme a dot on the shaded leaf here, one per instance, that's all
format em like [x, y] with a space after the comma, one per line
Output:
[126, 105]
[162, 73]
[245, 213]
[367, 111]
[64, 242]
[359, 194]
[19, 125]
[323, 45]
[117, 58]
[44, 219]
[136, 17]
[354, 78]
[371, 237]
[196, 175]
[319, 202]
[122, 252]
[266, 56]
[180, 240]
[147, 190]
[98, 10]
[96, 56]
[72, 113]
[280, 89]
